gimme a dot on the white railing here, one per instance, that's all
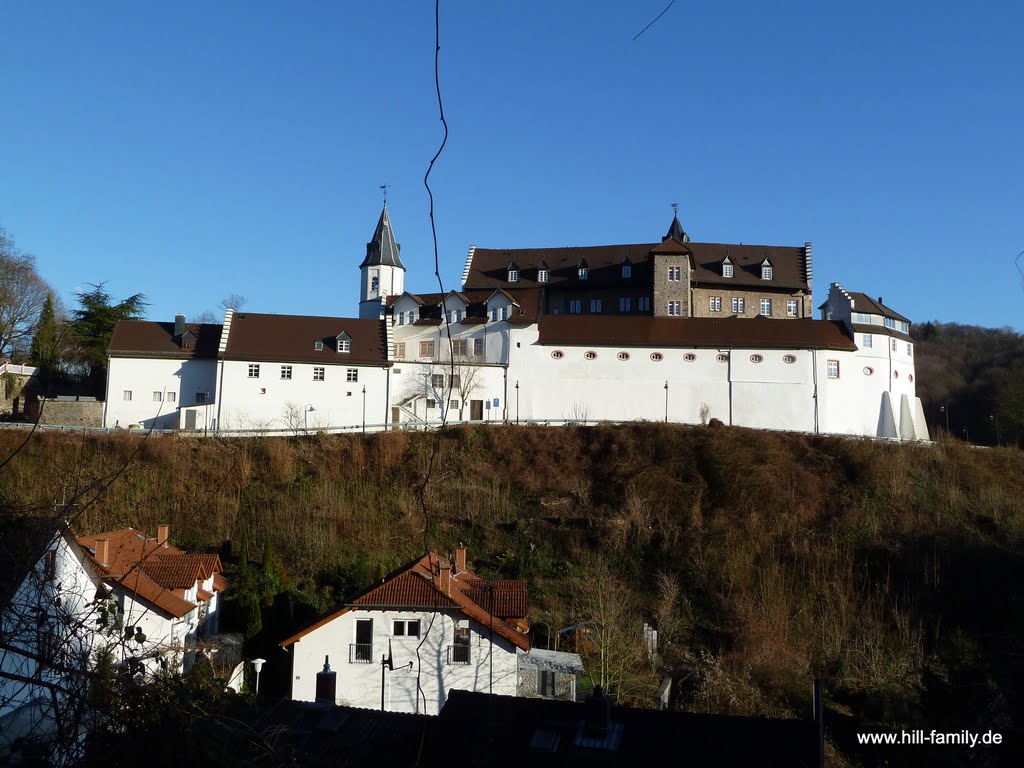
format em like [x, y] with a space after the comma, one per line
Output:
[18, 370]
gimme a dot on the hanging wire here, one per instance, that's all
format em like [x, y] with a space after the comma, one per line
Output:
[654, 20]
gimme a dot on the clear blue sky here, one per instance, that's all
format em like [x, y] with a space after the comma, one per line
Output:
[190, 150]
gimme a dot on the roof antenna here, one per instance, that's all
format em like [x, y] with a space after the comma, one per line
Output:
[384, 188]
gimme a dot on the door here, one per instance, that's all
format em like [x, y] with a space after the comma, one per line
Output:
[362, 650]
[396, 417]
[476, 410]
[190, 420]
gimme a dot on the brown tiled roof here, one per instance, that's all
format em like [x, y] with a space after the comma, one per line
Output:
[203, 596]
[144, 338]
[617, 331]
[290, 338]
[864, 303]
[417, 586]
[151, 570]
[504, 598]
[489, 266]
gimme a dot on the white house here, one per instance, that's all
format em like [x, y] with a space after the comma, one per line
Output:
[50, 597]
[437, 624]
[163, 600]
[673, 330]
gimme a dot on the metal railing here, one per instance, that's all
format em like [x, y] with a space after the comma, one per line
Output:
[360, 653]
[458, 654]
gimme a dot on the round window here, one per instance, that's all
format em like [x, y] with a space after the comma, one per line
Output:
[895, 374]
[591, 355]
[557, 354]
[722, 358]
[756, 359]
[623, 355]
[689, 357]
[910, 377]
[868, 370]
[789, 359]
[657, 357]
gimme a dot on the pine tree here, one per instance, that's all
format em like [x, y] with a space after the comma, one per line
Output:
[46, 343]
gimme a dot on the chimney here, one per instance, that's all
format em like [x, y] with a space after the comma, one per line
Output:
[880, 300]
[460, 559]
[103, 552]
[179, 325]
[446, 577]
[163, 532]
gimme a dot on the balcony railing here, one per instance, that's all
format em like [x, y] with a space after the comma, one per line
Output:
[360, 653]
[458, 654]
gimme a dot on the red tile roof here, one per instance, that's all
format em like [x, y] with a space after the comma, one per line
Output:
[417, 585]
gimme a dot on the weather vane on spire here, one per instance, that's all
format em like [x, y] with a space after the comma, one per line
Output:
[384, 188]
[675, 207]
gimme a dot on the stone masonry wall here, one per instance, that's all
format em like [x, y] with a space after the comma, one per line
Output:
[67, 413]
[666, 290]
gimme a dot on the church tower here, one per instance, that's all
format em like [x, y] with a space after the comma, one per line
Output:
[381, 274]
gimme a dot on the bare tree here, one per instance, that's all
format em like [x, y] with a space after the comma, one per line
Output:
[22, 294]
[233, 301]
[206, 316]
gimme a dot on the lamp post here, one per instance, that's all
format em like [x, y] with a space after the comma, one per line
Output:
[945, 409]
[206, 413]
[967, 435]
[995, 418]
[364, 409]
[517, 401]
[666, 401]
[257, 665]
[305, 413]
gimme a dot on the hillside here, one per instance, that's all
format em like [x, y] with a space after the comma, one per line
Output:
[766, 559]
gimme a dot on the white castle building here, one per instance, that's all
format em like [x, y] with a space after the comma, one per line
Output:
[666, 331]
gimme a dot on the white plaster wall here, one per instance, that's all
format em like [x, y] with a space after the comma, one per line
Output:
[494, 335]
[359, 684]
[270, 402]
[143, 377]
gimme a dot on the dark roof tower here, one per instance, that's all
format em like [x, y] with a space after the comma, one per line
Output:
[383, 250]
[676, 231]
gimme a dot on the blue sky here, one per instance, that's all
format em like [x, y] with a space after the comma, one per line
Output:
[191, 150]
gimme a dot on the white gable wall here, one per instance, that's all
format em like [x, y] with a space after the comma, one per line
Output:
[145, 376]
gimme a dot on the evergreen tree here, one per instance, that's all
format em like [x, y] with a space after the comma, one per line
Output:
[46, 343]
[94, 324]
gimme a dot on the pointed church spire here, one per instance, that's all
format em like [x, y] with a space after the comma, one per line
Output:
[383, 250]
[676, 231]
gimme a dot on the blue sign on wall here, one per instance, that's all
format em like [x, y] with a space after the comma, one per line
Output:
[495, 402]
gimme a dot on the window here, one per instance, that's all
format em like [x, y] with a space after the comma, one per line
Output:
[460, 347]
[448, 316]
[766, 271]
[318, 345]
[726, 269]
[426, 349]
[513, 275]
[910, 377]
[643, 304]
[454, 405]
[689, 357]
[868, 341]
[895, 374]
[344, 345]
[657, 357]
[583, 272]
[437, 380]
[722, 357]
[833, 369]
[590, 355]
[158, 397]
[575, 306]
[504, 313]
[478, 347]
[126, 395]
[286, 371]
[892, 343]
[361, 651]
[201, 397]
[791, 308]
[868, 370]
[458, 315]
[910, 350]
[889, 322]
[431, 404]
[494, 314]
[757, 358]
[738, 305]
[862, 317]
[789, 359]
[401, 318]
[766, 307]
[406, 628]
[352, 374]
[411, 316]
[318, 373]
[905, 327]
[675, 274]
[595, 305]
[456, 381]
[172, 396]
[627, 270]
[542, 275]
[460, 649]
[675, 308]
[623, 355]
[557, 354]
[374, 283]
[545, 683]
[254, 371]
[624, 305]
[400, 349]
[715, 303]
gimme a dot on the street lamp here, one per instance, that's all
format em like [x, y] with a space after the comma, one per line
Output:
[945, 409]
[995, 418]
[305, 413]
[666, 401]
[967, 435]
[364, 409]
[517, 401]
[257, 665]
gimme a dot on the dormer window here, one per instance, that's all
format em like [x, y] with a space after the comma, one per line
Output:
[766, 270]
[542, 275]
[318, 345]
[583, 272]
[627, 270]
[344, 342]
[513, 275]
[726, 268]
